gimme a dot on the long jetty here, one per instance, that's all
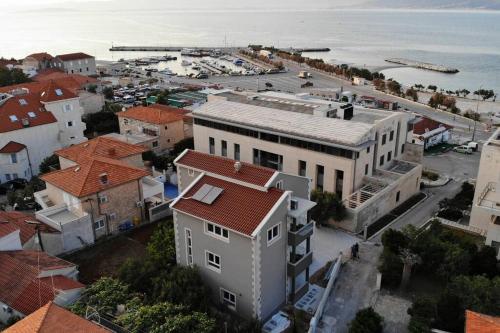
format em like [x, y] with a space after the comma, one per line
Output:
[423, 65]
[179, 48]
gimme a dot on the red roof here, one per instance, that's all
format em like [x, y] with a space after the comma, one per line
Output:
[12, 147]
[26, 106]
[43, 56]
[153, 115]
[60, 282]
[52, 318]
[12, 221]
[73, 56]
[248, 173]
[481, 323]
[428, 124]
[68, 81]
[84, 179]
[239, 208]
[100, 146]
[53, 92]
[21, 287]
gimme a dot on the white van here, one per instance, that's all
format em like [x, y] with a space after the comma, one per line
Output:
[463, 149]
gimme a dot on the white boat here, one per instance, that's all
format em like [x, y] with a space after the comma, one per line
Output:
[186, 63]
[166, 71]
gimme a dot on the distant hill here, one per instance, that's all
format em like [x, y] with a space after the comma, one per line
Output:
[436, 4]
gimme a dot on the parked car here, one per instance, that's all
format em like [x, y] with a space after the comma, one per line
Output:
[14, 184]
[269, 85]
[464, 149]
[307, 84]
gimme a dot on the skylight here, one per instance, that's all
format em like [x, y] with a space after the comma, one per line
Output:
[13, 118]
[59, 92]
[31, 114]
[207, 194]
[22, 101]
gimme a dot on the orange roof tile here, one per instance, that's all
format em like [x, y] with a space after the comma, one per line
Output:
[53, 92]
[21, 288]
[248, 173]
[152, 115]
[12, 147]
[100, 146]
[481, 323]
[26, 106]
[52, 318]
[73, 56]
[238, 207]
[84, 179]
[68, 81]
[41, 56]
[12, 221]
[60, 282]
[428, 124]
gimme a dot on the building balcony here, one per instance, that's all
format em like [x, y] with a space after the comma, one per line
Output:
[298, 264]
[57, 216]
[300, 233]
[152, 188]
[490, 198]
[42, 198]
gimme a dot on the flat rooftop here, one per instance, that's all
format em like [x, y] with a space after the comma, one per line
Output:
[328, 130]
[63, 216]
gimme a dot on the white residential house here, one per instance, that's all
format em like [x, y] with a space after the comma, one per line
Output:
[76, 63]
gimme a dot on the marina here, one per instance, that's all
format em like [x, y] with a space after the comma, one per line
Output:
[423, 65]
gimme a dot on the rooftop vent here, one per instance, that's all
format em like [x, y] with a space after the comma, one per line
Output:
[207, 194]
[237, 166]
[25, 122]
[103, 178]
[77, 169]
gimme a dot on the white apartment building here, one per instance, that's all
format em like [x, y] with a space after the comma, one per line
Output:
[357, 153]
[76, 63]
[485, 213]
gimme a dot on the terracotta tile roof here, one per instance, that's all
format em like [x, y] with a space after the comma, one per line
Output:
[100, 146]
[25, 106]
[481, 323]
[427, 124]
[73, 56]
[248, 173]
[152, 115]
[12, 147]
[84, 179]
[68, 81]
[6, 62]
[41, 56]
[21, 288]
[238, 207]
[53, 92]
[52, 318]
[60, 282]
[12, 221]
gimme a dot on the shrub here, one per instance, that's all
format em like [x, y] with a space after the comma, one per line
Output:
[50, 163]
[366, 321]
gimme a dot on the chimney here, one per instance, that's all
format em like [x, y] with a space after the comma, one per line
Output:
[237, 166]
[26, 122]
[103, 177]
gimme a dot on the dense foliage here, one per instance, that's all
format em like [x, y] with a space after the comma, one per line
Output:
[50, 163]
[366, 321]
[12, 76]
[105, 121]
[328, 205]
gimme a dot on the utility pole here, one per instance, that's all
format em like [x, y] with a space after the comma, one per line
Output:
[477, 112]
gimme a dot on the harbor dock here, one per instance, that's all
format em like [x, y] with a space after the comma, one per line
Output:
[179, 48]
[423, 65]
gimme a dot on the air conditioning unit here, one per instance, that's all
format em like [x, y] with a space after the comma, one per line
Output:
[294, 204]
[139, 204]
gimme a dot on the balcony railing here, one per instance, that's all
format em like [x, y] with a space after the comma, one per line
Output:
[490, 198]
[299, 233]
[298, 264]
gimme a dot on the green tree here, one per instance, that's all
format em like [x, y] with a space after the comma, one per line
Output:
[179, 147]
[328, 205]
[108, 93]
[161, 247]
[394, 240]
[394, 87]
[366, 321]
[12, 76]
[432, 87]
[484, 262]
[50, 163]
[412, 93]
[92, 88]
[391, 267]
[423, 315]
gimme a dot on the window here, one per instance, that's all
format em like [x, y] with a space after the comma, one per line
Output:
[366, 169]
[236, 152]
[402, 148]
[211, 142]
[102, 199]
[389, 156]
[381, 160]
[191, 172]
[150, 132]
[112, 216]
[87, 69]
[13, 158]
[279, 184]
[368, 150]
[273, 234]
[67, 107]
[223, 148]
[189, 247]
[267, 159]
[155, 144]
[216, 231]
[384, 139]
[15, 176]
[69, 124]
[99, 224]
[320, 172]
[72, 71]
[302, 168]
[339, 183]
[125, 121]
[213, 261]
[391, 136]
[397, 196]
[7, 176]
[166, 127]
[80, 70]
[13, 118]
[31, 114]
[228, 298]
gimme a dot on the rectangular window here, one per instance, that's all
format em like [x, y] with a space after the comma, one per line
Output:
[391, 136]
[236, 152]
[384, 139]
[7, 176]
[397, 196]
[69, 124]
[216, 231]
[366, 169]
[402, 148]
[267, 159]
[320, 173]
[302, 168]
[339, 183]
[13, 158]
[280, 184]
[99, 224]
[223, 148]
[389, 156]
[67, 107]
[191, 172]
[228, 298]
[381, 160]
[155, 144]
[273, 234]
[211, 147]
[213, 261]
[102, 199]
[368, 150]
[189, 247]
